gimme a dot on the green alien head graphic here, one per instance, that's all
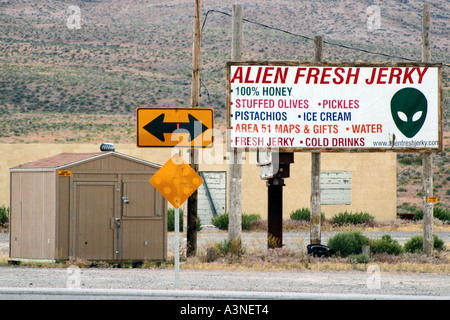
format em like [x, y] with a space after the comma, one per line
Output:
[409, 110]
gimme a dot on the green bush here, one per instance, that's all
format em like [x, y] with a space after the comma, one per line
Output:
[304, 214]
[439, 212]
[347, 243]
[248, 220]
[410, 159]
[359, 258]
[386, 245]
[301, 214]
[343, 218]
[415, 244]
[4, 215]
[418, 214]
[171, 220]
[221, 221]
[224, 247]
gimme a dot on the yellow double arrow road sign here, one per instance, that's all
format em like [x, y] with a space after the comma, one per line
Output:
[174, 127]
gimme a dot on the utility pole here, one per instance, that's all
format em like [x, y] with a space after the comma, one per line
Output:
[315, 237]
[191, 232]
[235, 179]
[427, 157]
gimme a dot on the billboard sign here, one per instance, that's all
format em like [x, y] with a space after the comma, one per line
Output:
[296, 106]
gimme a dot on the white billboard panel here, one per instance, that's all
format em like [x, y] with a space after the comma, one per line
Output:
[335, 107]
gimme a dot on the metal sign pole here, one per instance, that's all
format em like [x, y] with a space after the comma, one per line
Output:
[177, 248]
[176, 181]
[177, 241]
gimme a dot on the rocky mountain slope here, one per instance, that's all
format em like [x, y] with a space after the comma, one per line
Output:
[77, 75]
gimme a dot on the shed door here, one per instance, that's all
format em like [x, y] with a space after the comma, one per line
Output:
[95, 212]
[143, 222]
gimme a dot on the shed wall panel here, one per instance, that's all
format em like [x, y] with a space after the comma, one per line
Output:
[15, 216]
[33, 236]
[63, 218]
[49, 216]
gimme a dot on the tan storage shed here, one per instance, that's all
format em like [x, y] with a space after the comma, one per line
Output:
[93, 206]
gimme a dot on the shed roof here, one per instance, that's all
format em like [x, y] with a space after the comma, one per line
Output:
[65, 159]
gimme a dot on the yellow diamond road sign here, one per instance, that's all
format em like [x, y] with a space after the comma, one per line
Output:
[170, 127]
[176, 181]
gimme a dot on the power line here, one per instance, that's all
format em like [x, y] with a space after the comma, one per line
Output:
[312, 39]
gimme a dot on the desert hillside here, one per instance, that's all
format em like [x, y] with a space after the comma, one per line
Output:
[60, 84]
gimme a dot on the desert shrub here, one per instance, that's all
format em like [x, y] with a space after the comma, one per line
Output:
[304, 214]
[386, 245]
[171, 220]
[4, 215]
[415, 244]
[359, 258]
[347, 243]
[248, 220]
[410, 159]
[418, 214]
[439, 212]
[221, 221]
[301, 214]
[343, 218]
[225, 247]
[222, 247]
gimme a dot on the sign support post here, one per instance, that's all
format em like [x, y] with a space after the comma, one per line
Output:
[177, 248]
[235, 189]
[275, 212]
[281, 169]
[427, 157]
[177, 244]
[191, 232]
[315, 236]
[176, 181]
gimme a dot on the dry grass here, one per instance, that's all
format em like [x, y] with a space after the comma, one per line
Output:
[286, 259]
[4, 259]
[377, 226]
[281, 260]
[252, 257]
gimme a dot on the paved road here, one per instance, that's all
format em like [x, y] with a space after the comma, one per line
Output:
[49, 283]
[294, 281]
[141, 294]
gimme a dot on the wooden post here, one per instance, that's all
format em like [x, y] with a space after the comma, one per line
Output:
[191, 232]
[315, 237]
[427, 157]
[235, 179]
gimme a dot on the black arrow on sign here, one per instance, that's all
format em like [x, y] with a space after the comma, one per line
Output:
[158, 127]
